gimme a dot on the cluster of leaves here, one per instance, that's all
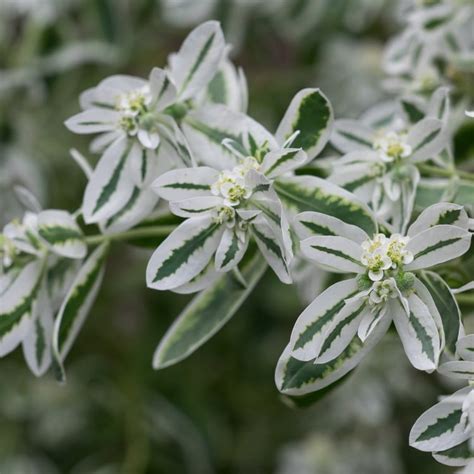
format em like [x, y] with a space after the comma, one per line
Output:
[183, 165]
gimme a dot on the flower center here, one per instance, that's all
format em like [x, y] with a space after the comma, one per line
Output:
[381, 254]
[381, 291]
[232, 184]
[392, 146]
[134, 108]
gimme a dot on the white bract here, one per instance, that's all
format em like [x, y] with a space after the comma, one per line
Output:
[379, 164]
[355, 313]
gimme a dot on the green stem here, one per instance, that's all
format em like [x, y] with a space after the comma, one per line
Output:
[445, 172]
[465, 299]
[139, 233]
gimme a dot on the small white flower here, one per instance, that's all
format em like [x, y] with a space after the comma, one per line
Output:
[392, 146]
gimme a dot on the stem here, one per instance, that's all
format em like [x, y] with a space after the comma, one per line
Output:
[465, 299]
[155, 231]
[445, 173]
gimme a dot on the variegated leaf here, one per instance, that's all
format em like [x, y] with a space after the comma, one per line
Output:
[334, 253]
[310, 223]
[207, 313]
[446, 305]
[459, 455]
[18, 305]
[272, 248]
[436, 245]
[309, 193]
[207, 129]
[309, 113]
[418, 332]
[442, 213]
[465, 347]
[350, 135]
[61, 233]
[307, 336]
[110, 186]
[184, 253]
[198, 59]
[76, 306]
[37, 341]
[138, 207]
[440, 428]
[296, 377]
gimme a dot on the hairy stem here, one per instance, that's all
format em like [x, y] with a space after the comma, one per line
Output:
[139, 233]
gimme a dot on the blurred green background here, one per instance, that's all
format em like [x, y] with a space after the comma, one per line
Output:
[218, 411]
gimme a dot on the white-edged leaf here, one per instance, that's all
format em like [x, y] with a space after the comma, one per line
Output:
[37, 341]
[309, 113]
[208, 127]
[459, 455]
[18, 305]
[61, 233]
[309, 193]
[314, 223]
[465, 347]
[445, 305]
[350, 135]
[458, 369]
[313, 323]
[198, 59]
[231, 250]
[272, 248]
[76, 306]
[437, 244]
[139, 206]
[228, 87]
[440, 427]
[96, 120]
[206, 314]
[334, 253]
[163, 91]
[110, 186]
[296, 377]
[200, 282]
[342, 330]
[184, 253]
[418, 332]
[279, 162]
[443, 213]
[426, 139]
[195, 206]
[176, 185]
